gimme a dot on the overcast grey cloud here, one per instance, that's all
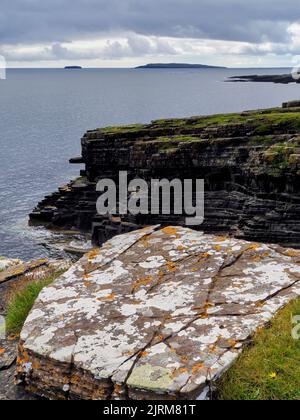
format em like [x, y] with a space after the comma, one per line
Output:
[55, 23]
[62, 20]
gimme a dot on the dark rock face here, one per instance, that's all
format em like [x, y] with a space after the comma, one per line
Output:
[269, 78]
[250, 163]
[291, 104]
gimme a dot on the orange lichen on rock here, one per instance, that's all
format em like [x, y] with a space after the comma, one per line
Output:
[196, 368]
[141, 282]
[171, 266]
[170, 231]
[292, 253]
[110, 297]
[94, 253]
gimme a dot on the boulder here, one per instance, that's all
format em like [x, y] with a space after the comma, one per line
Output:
[153, 314]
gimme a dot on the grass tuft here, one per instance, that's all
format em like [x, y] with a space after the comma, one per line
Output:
[269, 369]
[22, 302]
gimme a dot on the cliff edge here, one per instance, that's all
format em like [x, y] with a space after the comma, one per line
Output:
[250, 162]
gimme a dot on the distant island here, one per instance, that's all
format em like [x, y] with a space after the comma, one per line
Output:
[73, 68]
[178, 66]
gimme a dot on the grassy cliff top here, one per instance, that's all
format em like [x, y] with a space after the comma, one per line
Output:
[261, 122]
[273, 135]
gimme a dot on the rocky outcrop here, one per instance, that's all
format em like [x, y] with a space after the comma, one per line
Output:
[21, 269]
[250, 163]
[14, 277]
[154, 314]
[291, 104]
[267, 78]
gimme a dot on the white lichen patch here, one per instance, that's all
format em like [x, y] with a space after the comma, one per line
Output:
[156, 312]
[6, 263]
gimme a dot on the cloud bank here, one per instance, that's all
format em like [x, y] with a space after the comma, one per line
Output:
[57, 30]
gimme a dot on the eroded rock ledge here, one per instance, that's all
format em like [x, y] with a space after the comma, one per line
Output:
[156, 313]
[250, 163]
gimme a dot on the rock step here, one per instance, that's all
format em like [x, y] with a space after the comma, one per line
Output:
[21, 269]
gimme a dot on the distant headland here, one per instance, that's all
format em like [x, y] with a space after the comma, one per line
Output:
[269, 78]
[178, 66]
[73, 68]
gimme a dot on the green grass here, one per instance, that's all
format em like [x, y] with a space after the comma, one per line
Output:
[278, 158]
[177, 139]
[262, 123]
[122, 128]
[269, 369]
[173, 122]
[23, 301]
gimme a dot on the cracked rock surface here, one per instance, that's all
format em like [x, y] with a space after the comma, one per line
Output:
[154, 314]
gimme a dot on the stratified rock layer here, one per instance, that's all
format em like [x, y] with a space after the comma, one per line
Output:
[154, 314]
[250, 163]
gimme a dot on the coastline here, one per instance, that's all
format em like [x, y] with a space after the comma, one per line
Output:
[251, 144]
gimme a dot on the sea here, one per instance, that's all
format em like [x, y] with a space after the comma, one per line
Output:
[45, 112]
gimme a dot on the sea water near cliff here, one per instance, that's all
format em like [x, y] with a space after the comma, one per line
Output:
[44, 113]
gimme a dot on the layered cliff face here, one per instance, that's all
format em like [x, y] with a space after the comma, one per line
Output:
[250, 163]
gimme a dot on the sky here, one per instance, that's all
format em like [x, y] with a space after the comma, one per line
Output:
[127, 33]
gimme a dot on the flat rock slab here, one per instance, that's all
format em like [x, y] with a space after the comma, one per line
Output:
[21, 269]
[154, 314]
